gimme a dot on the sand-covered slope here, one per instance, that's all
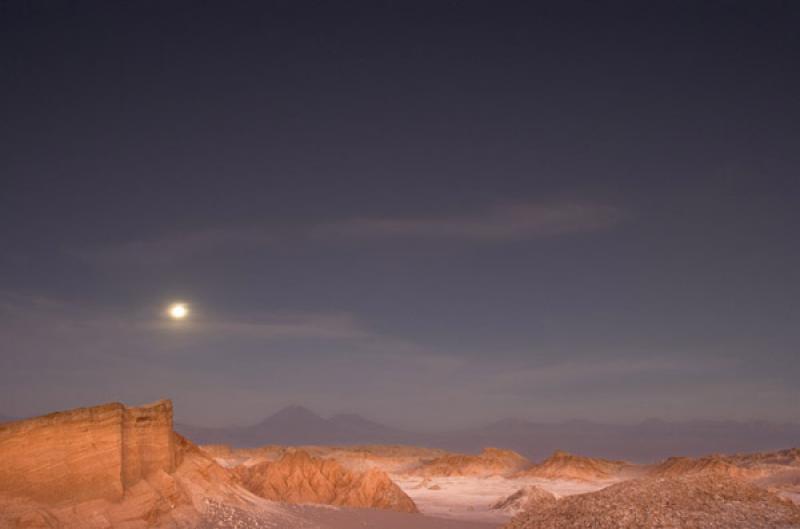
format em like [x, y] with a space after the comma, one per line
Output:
[298, 477]
[694, 502]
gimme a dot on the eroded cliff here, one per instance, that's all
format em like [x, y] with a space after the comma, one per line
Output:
[86, 453]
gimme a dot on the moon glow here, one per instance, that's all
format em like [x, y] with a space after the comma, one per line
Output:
[178, 311]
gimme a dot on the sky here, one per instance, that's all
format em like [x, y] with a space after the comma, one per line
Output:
[434, 214]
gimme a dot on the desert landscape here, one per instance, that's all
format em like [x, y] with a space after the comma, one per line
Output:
[399, 264]
[113, 466]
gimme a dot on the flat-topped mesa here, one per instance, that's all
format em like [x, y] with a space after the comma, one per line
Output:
[86, 453]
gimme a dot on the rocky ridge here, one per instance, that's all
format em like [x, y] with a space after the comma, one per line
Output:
[689, 502]
[563, 465]
[490, 462]
[298, 477]
[710, 465]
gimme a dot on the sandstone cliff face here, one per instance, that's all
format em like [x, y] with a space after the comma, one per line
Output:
[491, 461]
[147, 441]
[297, 477]
[88, 453]
[562, 465]
[112, 467]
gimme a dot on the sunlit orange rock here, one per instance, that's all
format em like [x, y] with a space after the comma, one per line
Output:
[298, 477]
[563, 465]
[87, 453]
[491, 461]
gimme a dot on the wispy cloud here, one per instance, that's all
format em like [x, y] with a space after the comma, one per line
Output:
[37, 325]
[179, 246]
[299, 325]
[57, 318]
[495, 224]
[510, 222]
[572, 373]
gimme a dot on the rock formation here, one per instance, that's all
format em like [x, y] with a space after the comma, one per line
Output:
[529, 498]
[789, 457]
[696, 502]
[389, 458]
[709, 465]
[298, 477]
[112, 467]
[491, 461]
[563, 465]
[88, 453]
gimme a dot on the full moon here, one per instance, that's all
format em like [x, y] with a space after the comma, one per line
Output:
[178, 311]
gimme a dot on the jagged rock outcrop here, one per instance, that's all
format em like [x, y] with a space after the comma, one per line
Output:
[563, 465]
[491, 461]
[693, 502]
[529, 498]
[297, 477]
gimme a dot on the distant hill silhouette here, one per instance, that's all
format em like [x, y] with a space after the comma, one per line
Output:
[647, 441]
[297, 425]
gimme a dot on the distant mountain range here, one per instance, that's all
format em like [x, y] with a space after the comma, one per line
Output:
[296, 425]
[649, 440]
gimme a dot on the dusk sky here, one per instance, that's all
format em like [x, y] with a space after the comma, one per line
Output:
[435, 213]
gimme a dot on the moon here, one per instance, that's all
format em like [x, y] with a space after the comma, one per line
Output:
[178, 311]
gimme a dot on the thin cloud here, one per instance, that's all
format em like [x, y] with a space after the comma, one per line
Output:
[500, 223]
[59, 320]
[509, 222]
[331, 326]
[581, 372]
[177, 247]
[33, 325]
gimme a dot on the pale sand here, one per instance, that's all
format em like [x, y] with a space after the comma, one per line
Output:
[346, 518]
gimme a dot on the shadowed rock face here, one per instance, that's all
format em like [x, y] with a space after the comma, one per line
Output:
[87, 453]
[298, 477]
